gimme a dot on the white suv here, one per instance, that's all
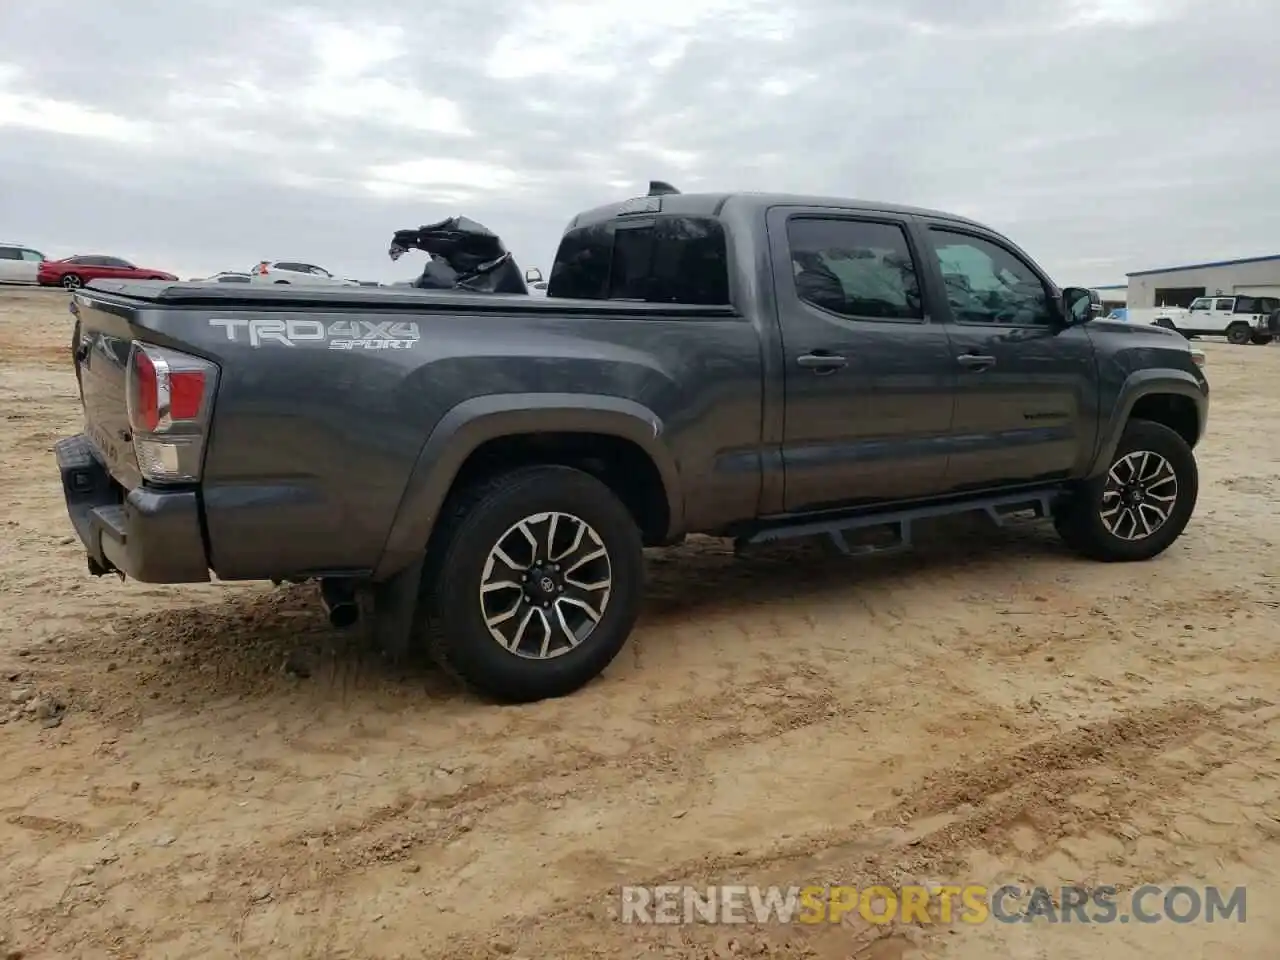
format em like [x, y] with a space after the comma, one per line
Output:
[291, 271]
[19, 263]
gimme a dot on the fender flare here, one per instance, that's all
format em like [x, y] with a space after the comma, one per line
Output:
[1145, 383]
[462, 430]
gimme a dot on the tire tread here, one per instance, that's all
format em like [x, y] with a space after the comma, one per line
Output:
[1081, 530]
[451, 535]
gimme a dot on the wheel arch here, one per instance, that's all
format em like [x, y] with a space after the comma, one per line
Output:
[619, 441]
[1173, 398]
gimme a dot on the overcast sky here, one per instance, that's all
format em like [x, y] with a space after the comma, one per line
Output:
[199, 135]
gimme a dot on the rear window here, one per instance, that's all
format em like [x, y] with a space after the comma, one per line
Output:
[662, 260]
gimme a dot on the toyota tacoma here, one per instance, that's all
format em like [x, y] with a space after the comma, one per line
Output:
[478, 472]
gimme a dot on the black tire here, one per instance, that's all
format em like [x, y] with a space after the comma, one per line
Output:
[1167, 324]
[1260, 339]
[1079, 519]
[1239, 333]
[72, 282]
[476, 521]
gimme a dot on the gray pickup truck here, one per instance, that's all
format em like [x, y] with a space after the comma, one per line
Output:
[478, 473]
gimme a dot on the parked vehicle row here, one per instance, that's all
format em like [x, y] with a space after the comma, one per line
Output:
[25, 265]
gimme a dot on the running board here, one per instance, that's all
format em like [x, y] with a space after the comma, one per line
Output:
[999, 509]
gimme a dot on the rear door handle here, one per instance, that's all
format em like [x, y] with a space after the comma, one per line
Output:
[976, 361]
[822, 361]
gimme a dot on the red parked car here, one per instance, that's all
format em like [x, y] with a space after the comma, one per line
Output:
[75, 272]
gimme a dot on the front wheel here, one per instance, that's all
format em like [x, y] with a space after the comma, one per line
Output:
[533, 583]
[71, 282]
[1239, 333]
[1141, 505]
[1260, 339]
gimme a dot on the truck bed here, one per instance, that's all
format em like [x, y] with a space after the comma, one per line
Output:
[409, 299]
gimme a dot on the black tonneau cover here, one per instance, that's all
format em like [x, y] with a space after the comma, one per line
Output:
[284, 296]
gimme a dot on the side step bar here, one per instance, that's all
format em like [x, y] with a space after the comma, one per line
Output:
[1000, 509]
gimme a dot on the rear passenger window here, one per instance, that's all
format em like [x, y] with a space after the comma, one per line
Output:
[10, 253]
[855, 268]
[665, 260]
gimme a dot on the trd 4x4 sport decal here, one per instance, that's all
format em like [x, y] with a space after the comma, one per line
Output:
[338, 335]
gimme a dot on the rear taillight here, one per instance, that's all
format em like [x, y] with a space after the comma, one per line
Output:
[170, 398]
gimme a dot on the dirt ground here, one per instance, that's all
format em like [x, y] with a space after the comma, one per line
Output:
[211, 772]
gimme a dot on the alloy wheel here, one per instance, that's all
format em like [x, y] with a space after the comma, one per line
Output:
[546, 585]
[1140, 493]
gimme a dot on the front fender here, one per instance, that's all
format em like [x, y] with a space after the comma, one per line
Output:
[1144, 383]
[473, 422]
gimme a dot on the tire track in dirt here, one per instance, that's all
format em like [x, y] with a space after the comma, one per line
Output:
[929, 835]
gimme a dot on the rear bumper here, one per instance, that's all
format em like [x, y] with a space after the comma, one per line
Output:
[150, 535]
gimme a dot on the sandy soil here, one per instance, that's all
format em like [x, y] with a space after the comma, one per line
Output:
[210, 772]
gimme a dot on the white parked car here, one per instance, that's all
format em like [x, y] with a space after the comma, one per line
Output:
[292, 271]
[19, 263]
[1241, 319]
[224, 276]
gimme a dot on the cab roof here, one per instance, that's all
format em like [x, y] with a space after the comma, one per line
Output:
[711, 205]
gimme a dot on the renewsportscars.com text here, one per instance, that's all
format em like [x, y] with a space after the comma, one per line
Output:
[970, 903]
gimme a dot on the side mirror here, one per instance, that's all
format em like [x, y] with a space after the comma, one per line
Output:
[533, 275]
[540, 285]
[1080, 305]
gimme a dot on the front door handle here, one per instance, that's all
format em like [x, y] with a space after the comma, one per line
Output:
[821, 361]
[975, 361]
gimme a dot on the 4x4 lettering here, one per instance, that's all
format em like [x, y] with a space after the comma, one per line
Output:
[344, 328]
[404, 331]
[373, 330]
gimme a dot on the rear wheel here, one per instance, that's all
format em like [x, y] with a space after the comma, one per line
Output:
[72, 282]
[1239, 333]
[533, 583]
[1260, 339]
[1141, 505]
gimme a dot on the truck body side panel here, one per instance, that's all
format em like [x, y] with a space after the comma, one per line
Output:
[314, 441]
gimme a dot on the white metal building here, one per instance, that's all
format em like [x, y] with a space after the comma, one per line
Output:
[1178, 286]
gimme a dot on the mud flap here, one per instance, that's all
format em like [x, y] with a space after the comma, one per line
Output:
[395, 612]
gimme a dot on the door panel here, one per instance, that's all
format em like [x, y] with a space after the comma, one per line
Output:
[1026, 384]
[11, 265]
[868, 375]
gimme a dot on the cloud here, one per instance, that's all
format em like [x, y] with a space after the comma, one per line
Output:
[63, 117]
[1102, 135]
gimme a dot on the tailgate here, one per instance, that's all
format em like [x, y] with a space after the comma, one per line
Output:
[101, 344]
